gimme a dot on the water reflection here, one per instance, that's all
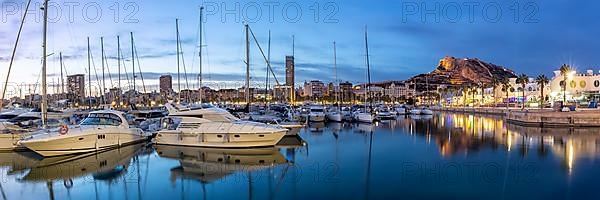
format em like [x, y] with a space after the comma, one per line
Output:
[107, 165]
[344, 161]
[208, 165]
[458, 134]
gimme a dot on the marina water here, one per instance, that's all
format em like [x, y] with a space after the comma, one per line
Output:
[446, 155]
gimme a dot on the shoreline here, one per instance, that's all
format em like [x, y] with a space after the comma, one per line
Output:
[537, 117]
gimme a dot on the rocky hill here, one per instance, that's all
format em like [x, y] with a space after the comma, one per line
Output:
[456, 71]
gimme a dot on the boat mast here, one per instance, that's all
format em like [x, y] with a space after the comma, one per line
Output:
[44, 63]
[12, 58]
[200, 90]
[247, 67]
[103, 78]
[132, 61]
[178, 73]
[268, 67]
[89, 73]
[335, 72]
[119, 62]
[368, 68]
[62, 80]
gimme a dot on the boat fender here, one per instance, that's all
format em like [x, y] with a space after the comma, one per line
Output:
[64, 129]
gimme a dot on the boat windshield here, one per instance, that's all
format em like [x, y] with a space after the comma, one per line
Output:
[316, 110]
[7, 116]
[102, 119]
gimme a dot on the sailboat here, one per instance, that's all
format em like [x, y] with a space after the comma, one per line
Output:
[364, 115]
[425, 110]
[10, 133]
[334, 115]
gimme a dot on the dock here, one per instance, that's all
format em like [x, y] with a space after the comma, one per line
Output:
[533, 117]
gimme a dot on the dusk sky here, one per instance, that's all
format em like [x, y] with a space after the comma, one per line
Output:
[405, 37]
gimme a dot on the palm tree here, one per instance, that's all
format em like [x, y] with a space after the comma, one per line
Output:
[494, 84]
[482, 87]
[542, 81]
[506, 87]
[523, 79]
[465, 91]
[473, 92]
[565, 69]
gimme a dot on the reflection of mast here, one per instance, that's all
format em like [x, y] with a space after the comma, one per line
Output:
[2, 191]
[369, 165]
[249, 186]
[50, 190]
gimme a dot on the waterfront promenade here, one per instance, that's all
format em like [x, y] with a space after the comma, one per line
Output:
[583, 117]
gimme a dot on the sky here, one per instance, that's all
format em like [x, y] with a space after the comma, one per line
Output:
[405, 37]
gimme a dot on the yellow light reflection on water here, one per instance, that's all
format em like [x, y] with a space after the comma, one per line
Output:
[570, 155]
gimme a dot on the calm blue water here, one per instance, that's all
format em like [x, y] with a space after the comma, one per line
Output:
[449, 156]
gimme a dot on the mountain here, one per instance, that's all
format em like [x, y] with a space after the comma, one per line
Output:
[456, 71]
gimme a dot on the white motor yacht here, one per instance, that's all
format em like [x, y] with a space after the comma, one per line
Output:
[383, 113]
[426, 111]
[400, 110]
[334, 115]
[316, 114]
[11, 114]
[214, 127]
[364, 117]
[347, 114]
[415, 111]
[101, 130]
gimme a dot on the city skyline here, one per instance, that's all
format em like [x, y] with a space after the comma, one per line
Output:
[410, 44]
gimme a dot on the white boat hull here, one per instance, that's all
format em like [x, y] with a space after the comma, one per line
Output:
[218, 140]
[364, 118]
[316, 118]
[334, 117]
[400, 111]
[426, 112]
[415, 111]
[8, 141]
[83, 141]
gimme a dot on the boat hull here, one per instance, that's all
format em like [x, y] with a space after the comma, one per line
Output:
[334, 117]
[219, 140]
[10, 142]
[316, 118]
[81, 143]
[364, 118]
[415, 112]
[426, 112]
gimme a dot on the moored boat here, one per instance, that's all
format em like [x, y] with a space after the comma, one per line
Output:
[101, 130]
